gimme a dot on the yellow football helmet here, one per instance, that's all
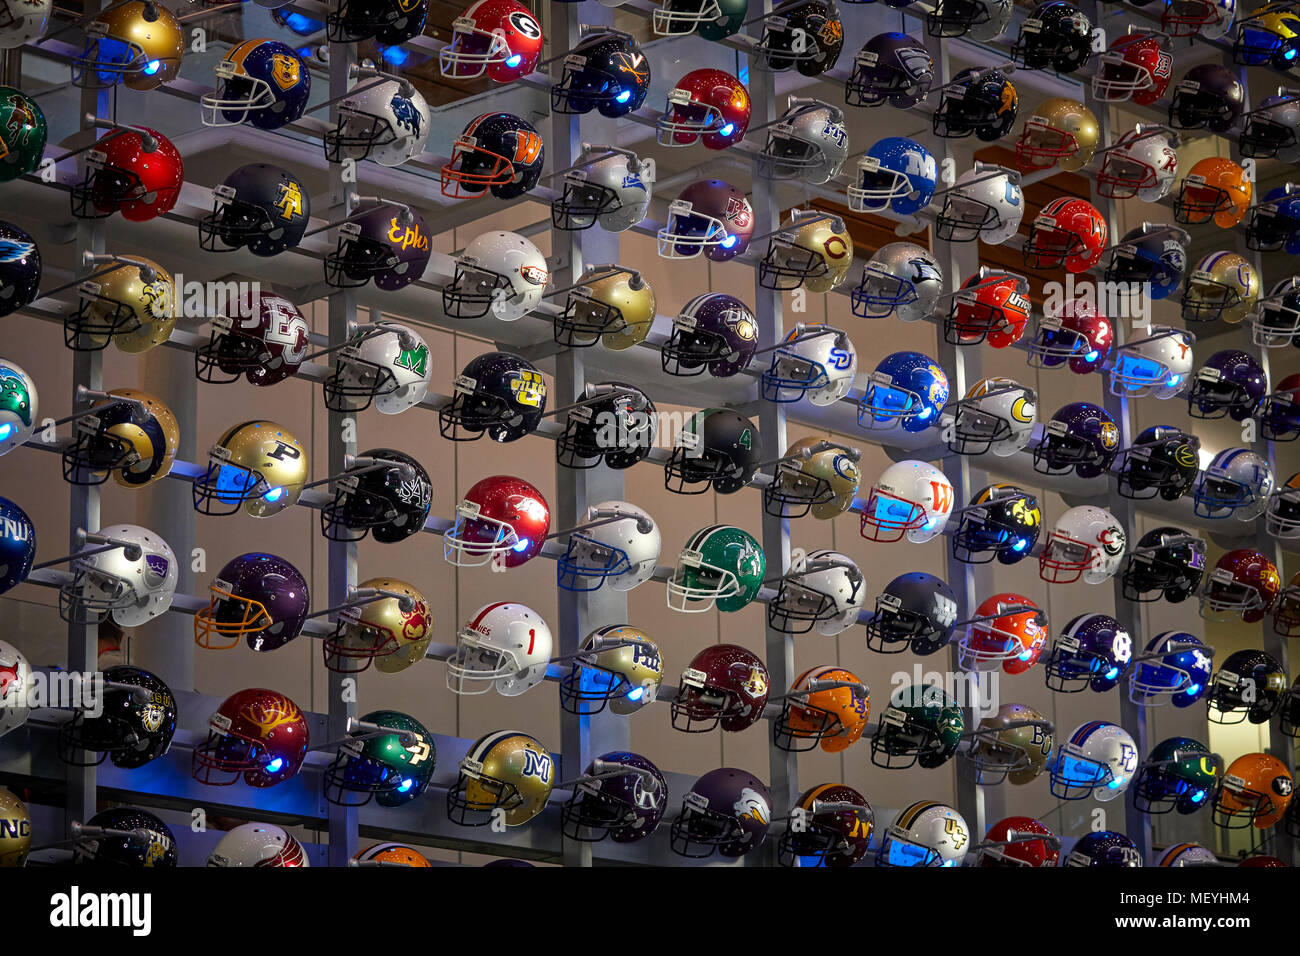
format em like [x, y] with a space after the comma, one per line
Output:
[506, 770]
[1269, 37]
[627, 677]
[821, 480]
[257, 464]
[1222, 286]
[15, 830]
[392, 854]
[816, 254]
[617, 309]
[131, 435]
[1061, 132]
[381, 631]
[137, 43]
[118, 304]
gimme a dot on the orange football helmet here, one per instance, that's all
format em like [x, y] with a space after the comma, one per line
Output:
[1013, 639]
[836, 717]
[1256, 792]
[1216, 188]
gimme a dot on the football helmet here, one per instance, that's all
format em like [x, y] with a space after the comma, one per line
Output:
[613, 190]
[392, 768]
[1141, 165]
[985, 203]
[1107, 847]
[23, 22]
[17, 547]
[1093, 651]
[136, 43]
[1210, 19]
[16, 824]
[137, 172]
[23, 133]
[1236, 483]
[499, 38]
[383, 242]
[717, 448]
[891, 68]
[724, 684]
[506, 646]
[393, 631]
[613, 305]
[897, 174]
[501, 519]
[816, 476]
[1273, 128]
[1001, 521]
[805, 34]
[1019, 841]
[501, 272]
[497, 394]
[1256, 791]
[386, 364]
[1079, 436]
[816, 362]
[1180, 774]
[907, 390]
[388, 21]
[978, 101]
[711, 19]
[1243, 584]
[390, 854]
[1249, 685]
[261, 82]
[1158, 363]
[916, 611]
[713, 330]
[130, 303]
[619, 429]
[709, 216]
[617, 665]
[1282, 516]
[135, 725]
[814, 713]
[133, 580]
[1264, 861]
[912, 498]
[814, 251]
[386, 122]
[17, 682]
[139, 839]
[266, 342]
[1055, 35]
[20, 269]
[719, 565]
[621, 552]
[258, 844]
[259, 207]
[1268, 37]
[498, 152]
[1175, 666]
[606, 72]
[1223, 285]
[1274, 224]
[922, 725]
[900, 279]
[1086, 542]
[1066, 232]
[1166, 563]
[1014, 744]
[978, 19]
[506, 770]
[388, 499]
[258, 734]
[128, 435]
[1153, 256]
[1209, 95]
[836, 828]
[706, 106]
[257, 465]
[726, 811]
[809, 143]
[1009, 631]
[19, 406]
[622, 796]
[257, 596]
[823, 589]
[1098, 760]
[991, 306]
[1061, 132]
[925, 834]
[1138, 66]
[1215, 189]
[1072, 333]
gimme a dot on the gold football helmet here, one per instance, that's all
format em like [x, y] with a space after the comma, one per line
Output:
[816, 254]
[257, 464]
[1061, 132]
[627, 677]
[384, 632]
[506, 770]
[617, 309]
[821, 480]
[118, 304]
[137, 43]
[15, 830]
[391, 854]
[131, 435]
[1222, 286]
[1012, 744]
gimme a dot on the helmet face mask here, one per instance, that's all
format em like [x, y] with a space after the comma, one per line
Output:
[901, 279]
[915, 611]
[977, 101]
[891, 68]
[809, 143]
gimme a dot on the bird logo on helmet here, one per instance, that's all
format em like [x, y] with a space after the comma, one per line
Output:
[727, 811]
[901, 279]
[19, 406]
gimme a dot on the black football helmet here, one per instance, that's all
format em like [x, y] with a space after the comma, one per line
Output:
[141, 840]
[618, 425]
[135, 727]
[1162, 460]
[916, 611]
[804, 34]
[1209, 95]
[496, 151]
[388, 499]
[606, 72]
[388, 21]
[20, 269]
[978, 101]
[1248, 686]
[1001, 521]
[1056, 35]
[259, 207]
[499, 395]
[717, 448]
[1167, 563]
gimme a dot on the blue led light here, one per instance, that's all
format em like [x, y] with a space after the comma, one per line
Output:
[728, 129]
[395, 55]
[636, 693]
[1193, 690]
[275, 494]
[728, 242]
[1198, 796]
[1112, 673]
[152, 67]
[624, 96]
[1020, 545]
[1175, 379]
[274, 766]
[5, 431]
[514, 60]
[521, 544]
[924, 413]
[300, 24]
[1091, 356]
[405, 785]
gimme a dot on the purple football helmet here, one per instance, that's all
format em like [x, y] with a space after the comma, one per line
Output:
[389, 244]
[715, 331]
[727, 811]
[891, 68]
[1093, 651]
[1079, 437]
[259, 596]
[1229, 383]
[621, 796]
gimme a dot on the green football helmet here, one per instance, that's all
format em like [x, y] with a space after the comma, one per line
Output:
[22, 134]
[922, 724]
[711, 19]
[1181, 774]
[719, 565]
[392, 768]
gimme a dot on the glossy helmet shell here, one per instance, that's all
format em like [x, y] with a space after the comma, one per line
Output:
[978, 101]
[1138, 66]
[1209, 95]
[891, 68]
[708, 106]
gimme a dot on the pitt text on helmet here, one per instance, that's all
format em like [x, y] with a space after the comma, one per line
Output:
[1114, 299]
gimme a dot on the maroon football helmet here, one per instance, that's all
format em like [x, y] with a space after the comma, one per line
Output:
[264, 341]
[709, 216]
[724, 684]
[709, 106]
[257, 733]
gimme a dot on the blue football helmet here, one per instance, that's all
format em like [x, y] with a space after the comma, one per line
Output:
[1274, 224]
[17, 545]
[907, 389]
[1154, 253]
[1178, 676]
[261, 82]
[896, 173]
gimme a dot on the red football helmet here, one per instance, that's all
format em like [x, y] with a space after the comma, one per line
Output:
[136, 173]
[1138, 66]
[1069, 232]
[501, 519]
[1076, 333]
[1245, 582]
[265, 341]
[1019, 841]
[724, 684]
[709, 216]
[708, 105]
[992, 306]
[258, 733]
[1263, 862]
[1013, 639]
[501, 38]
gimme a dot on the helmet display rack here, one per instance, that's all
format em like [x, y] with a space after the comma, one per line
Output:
[582, 738]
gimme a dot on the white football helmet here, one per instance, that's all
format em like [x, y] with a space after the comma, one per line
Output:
[823, 590]
[997, 414]
[1274, 321]
[925, 834]
[1086, 542]
[22, 21]
[817, 362]
[503, 644]
[613, 191]
[809, 142]
[901, 279]
[1188, 854]
[621, 553]
[389, 366]
[1237, 483]
[134, 582]
[1098, 760]
[1143, 164]
[910, 497]
[258, 844]
[387, 122]
[985, 203]
[1159, 364]
[501, 272]
[17, 674]
[19, 411]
